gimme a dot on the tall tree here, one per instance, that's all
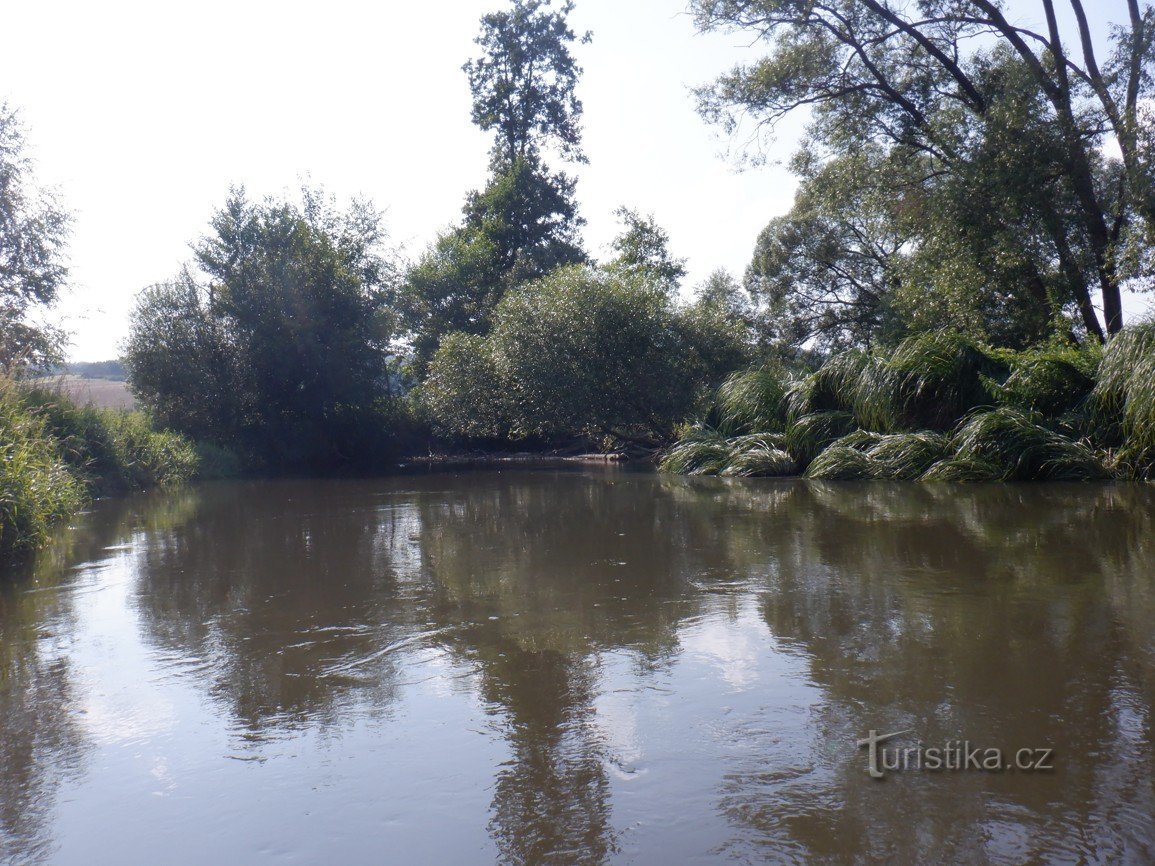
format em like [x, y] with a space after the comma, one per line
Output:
[524, 82]
[33, 236]
[525, 222]
[873, 70]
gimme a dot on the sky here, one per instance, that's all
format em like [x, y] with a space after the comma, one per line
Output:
[142, 115]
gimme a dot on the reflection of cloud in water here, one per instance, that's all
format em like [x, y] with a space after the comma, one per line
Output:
[735, 644]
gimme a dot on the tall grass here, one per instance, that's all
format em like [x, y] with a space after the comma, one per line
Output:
[753, 401]
[941, 407]
[54, 455]
[114, 451]
[36, 487]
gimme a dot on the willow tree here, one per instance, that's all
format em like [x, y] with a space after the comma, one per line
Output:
[917, 78]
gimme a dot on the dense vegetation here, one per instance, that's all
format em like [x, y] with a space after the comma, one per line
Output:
[939, 407]
[55, 455]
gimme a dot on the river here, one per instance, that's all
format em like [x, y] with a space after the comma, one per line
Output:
[585, 666]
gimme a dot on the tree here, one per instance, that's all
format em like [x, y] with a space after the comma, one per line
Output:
[525, 222]
[582, 352]
[276, 345]
[524, 83]
[520, 227]
[919, 79]
[644, 247]
[33, 237]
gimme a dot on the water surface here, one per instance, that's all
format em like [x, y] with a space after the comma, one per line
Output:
[580, 667]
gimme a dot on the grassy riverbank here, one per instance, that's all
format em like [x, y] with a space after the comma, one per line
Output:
[55, 456]
[939, 407]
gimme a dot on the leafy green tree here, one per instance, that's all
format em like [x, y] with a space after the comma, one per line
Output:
[524, 83]
[277, 344]
[520, 227]
[582, 352]
[33, 237]
[931, 82]
[644, 247]
[525, 222]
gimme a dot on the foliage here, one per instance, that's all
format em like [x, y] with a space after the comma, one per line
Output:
[54, 455]
[1006, 215]
[644, 247]
[524, 83]
[1019, 448]
[33, 235]
[278, 348]
[700, 450]
[1051, 381]
[754, 400]
[36, 487]
[810, 434]
[584, 351]
[463, 393]
[522, 226]
[929, 382]
[112, 451]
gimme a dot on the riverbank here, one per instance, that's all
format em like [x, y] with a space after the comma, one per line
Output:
[55, 456]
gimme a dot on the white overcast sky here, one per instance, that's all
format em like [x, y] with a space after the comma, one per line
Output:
[142, 114]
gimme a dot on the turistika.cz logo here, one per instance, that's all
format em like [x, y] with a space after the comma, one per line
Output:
[952, 756]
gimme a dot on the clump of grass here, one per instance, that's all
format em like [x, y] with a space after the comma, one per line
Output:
[1018, 448]
[963, 470]
[753, 401]
[928, 383]
[799, 399]
[809, 435]
[36, 487]
[841, 463]
[701, 450]
[1139, 418]
[835, 384]
[758, 459]
[907, 456]
[1121, 360]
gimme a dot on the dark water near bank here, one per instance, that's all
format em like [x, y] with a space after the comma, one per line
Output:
[580, 667]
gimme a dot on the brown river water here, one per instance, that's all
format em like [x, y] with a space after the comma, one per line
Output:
[582, 666]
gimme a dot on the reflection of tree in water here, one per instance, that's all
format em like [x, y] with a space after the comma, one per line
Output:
[43, 744]
[1008, 615]
[549, 570]
[282, 596]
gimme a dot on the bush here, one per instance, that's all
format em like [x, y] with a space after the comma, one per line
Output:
[582, 352]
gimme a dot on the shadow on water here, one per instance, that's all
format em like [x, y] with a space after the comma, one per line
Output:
[655, 666]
